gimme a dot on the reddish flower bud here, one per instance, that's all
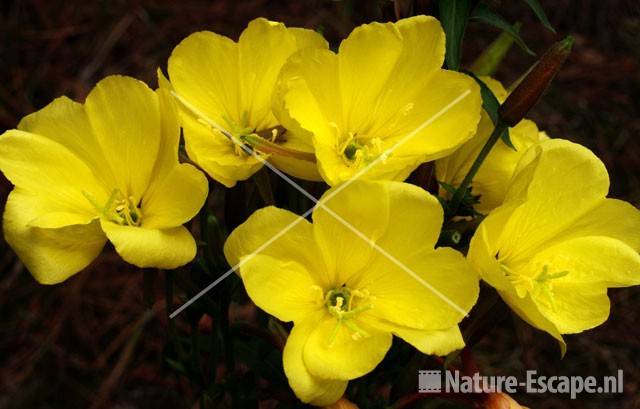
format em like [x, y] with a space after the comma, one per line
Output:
[501, 401]
[528, 92]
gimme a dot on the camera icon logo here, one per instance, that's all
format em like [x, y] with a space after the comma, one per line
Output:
[429, 381]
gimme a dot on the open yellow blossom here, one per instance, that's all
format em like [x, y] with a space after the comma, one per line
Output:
[107, 169]
[344, 296]
[225, 89]
[557, 243]
[493, 177]
[384, 84]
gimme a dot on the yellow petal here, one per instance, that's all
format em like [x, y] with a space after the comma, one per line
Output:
[560, 182]
[366, 59]
[216, 154]
[166, 248]
[306, 38]
[66, 122]
[365, 213]
[50, 255]
[176, 199]
[306, 101]
[264, 46]
[308, 388]
[170, 132]
[125, 117]
[307, 92]
[302, 169]
[415, 218]
[576, 307]
[592, 259]
[298, 168]
[529, 311]
[434, 292]
[493, 178]
[484, 249]
[56, 220]
[435, 342]
[48, 170]
[335, 354]
[276, 233]
[612, 218]
[203, 69]
[283, 288]
[450, 104]
[350, 219]
[422, 55]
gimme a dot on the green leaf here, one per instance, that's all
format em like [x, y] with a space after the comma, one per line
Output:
[447, 187]
[537, 9]
[454, 15]
[506, 138]
[484, 14]
[491, 105]
[489, 101]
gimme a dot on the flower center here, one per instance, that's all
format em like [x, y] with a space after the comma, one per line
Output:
[119, 208]
[344, 304]
[357, 151]
[539, 286]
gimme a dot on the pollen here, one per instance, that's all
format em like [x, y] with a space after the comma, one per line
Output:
[357, 150]
[539, 286]
[345, 304]
[119, 208]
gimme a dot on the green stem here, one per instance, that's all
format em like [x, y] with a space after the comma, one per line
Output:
[460, 192]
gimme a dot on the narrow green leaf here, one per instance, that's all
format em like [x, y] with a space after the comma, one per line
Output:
[537, 9]
[484, 14]
[447, 187]
[489, 101]
[506, 138]
[454, 15]
[491, 105]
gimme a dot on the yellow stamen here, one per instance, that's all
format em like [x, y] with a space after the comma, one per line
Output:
[539, 286]
[340, 304]
[119, 208]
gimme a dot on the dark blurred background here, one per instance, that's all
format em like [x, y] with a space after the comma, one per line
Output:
[77, 344]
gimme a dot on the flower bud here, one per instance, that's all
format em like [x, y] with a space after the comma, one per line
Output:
[501, 401]
[528, 92]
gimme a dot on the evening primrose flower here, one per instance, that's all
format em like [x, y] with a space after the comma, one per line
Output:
[344, 296]
[105, 170]
[557, 243]
[225, 90]
[384, 84]
[493, 177]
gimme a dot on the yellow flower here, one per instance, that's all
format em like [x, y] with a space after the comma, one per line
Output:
[344, 296]
[107, 169]
[384, 84]
[491, 181]
[557, 243]
[225, 89]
